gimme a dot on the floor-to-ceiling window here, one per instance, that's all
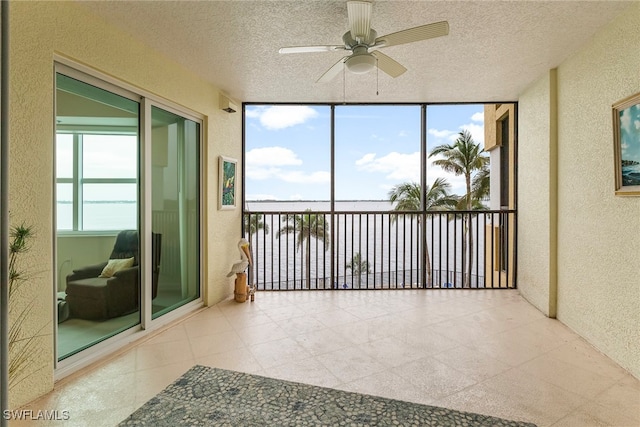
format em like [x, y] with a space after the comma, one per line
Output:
[127, 223]
[410, 190]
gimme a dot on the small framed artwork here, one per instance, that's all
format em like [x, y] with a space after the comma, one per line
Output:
[227, 175]
[626, 145]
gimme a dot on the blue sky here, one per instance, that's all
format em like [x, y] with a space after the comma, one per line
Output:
[377, 147]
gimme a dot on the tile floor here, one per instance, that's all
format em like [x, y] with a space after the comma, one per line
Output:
[488, 352]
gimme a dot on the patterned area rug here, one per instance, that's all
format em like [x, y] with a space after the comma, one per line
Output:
[206, 396]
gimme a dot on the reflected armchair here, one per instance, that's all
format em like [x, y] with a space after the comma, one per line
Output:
[111, 289]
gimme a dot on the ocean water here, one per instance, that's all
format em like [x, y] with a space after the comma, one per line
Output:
[100, 216]
[631, 175]
[391, 249]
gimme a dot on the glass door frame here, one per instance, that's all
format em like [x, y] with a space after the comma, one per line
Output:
[146, 325]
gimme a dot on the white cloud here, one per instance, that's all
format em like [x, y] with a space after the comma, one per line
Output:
[624, 146]
[403, 133]
[261, 197]
[301, 177]
[477, 132]
[282, 116]
[457, 182]
[442, 133]
[478, 117]
[625, 120]
[476, 128]
[272, 156]
[395, 166]
[292, 176]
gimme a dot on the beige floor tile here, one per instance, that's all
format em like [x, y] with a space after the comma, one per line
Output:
[390, 385]
[433, 378]
[150, 382]
[581, 354]
[278, 352]
[623, 397]
[390, 351]
[508, 347]
[574, 379]
[363, 331]
[336, 317]
[350, 363]
[473, 364]
[488, 352]
[240, 360]
[536, 399]
[307, 371]
[300, 325]
[322, 341]
[482, 400]
[150, 356]
[199, 326]
[218, 343]
[595, 414]
[258, 333]
[425, 341]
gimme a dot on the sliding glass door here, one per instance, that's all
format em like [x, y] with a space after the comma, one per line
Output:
[175, 209]
[127, 196]
[97, 170]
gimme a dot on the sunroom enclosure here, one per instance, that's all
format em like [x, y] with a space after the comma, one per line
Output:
[380, 196]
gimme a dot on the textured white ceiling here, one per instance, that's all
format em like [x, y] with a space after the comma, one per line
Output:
[494, 49]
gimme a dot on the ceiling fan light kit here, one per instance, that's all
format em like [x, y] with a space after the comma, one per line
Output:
[363, 42]
[360, 63]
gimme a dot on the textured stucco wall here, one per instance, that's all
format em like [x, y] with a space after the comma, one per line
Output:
[598, 233]
[38, 31]
[535, 189]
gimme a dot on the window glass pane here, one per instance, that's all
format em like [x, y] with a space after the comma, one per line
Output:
[109, 156]
[288, 156]
[64, 218]
[109, 206]
[64, 156]
[175, 200]
[377, 148]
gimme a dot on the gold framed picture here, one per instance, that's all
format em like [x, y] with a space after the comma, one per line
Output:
[626, 145]
[227, 177]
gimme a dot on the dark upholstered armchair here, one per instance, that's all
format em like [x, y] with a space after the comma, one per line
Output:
[94, 292]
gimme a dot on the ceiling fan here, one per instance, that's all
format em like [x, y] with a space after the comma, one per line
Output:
[363, 42]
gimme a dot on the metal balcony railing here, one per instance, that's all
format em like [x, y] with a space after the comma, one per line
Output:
[381, 250]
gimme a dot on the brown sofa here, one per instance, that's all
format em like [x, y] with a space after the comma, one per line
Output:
[90, 296]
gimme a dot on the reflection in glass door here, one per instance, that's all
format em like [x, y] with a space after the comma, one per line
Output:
[98, 274]
[175, 210]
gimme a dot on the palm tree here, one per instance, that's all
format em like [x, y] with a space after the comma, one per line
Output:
[406, 197]
[481, 185]
[252, 224]
[305, 227]
[358, 266]
[464, 157]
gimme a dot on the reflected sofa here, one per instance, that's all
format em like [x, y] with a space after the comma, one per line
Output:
[112, 288]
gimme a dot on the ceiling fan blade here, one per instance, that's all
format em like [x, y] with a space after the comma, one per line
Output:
[388, 64]
[359, 20]
[332, 72]
[309, 49]
[423, 32]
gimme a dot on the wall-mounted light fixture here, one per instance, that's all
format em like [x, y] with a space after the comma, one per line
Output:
[227, 105]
